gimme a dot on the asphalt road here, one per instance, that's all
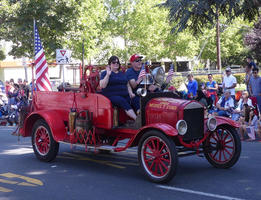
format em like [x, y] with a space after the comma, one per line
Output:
[76, 174]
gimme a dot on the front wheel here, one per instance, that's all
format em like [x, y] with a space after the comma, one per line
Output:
[44, 146]
[158, 156]
[222, 148]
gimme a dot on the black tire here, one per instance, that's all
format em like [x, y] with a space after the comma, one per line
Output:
[165, 153]
[44, 152]
[222, 148]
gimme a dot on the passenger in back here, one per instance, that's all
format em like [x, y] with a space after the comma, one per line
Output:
[115, 87]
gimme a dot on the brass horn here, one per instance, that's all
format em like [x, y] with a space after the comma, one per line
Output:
[141, 92]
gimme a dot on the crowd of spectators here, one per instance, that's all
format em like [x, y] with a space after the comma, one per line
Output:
[246, 111]
[11, 93]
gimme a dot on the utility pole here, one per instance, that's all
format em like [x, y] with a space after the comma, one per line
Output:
[218, 40]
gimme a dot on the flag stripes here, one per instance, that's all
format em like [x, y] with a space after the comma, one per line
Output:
[41, 68]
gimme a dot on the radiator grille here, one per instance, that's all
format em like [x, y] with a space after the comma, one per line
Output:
[195, 121]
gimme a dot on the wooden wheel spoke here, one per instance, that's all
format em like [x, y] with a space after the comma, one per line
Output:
[156, 168]
[157, 146]
[164, 154]
[163, 159]
[153, 145]
[150, 167]
[219, 157]
[214, 156]
[161, 170]
[230, 154]
[228, 141]
[148, 145]
[163, 164]
[224, 154]
[162, 147]
[230, 147]
[225, 137]
[150, 159]
[150, 154]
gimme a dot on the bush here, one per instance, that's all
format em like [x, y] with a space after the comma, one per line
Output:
[178, 80]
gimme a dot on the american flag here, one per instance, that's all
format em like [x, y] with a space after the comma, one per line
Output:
[41, 68]
[171, 71]
[142, 72]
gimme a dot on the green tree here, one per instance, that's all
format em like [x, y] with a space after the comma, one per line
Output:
[54, 20]
[2, 54]
[145, 29]
[64, 24]
[201, 14]
[253, 40]
[231, 37]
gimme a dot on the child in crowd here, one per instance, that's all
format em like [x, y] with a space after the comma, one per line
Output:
[248, 122]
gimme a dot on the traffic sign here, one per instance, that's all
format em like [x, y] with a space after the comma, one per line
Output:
[63, 56]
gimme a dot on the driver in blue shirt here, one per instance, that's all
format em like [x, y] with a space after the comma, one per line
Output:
[133, 73]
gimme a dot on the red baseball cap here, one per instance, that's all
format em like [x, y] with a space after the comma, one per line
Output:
[134, 57]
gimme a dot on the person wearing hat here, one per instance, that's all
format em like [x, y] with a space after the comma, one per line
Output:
[229, 82]
[133, 73]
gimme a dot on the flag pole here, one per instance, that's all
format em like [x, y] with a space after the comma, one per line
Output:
[34, 61]
[32, 89]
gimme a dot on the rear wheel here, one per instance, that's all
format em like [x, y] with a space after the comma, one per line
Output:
[223, 147]
[157, 156]
[44, 146]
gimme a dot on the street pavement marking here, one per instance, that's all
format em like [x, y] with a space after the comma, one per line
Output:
[197, 192]
[2, 189]
[107, 155]
[94, 160]
[27, 179]
[7, 181]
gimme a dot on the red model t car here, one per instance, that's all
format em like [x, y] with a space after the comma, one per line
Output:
[166, 126]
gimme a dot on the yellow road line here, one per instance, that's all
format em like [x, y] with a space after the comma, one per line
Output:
[2, 189]
[27, 184]
[107, 155]
[125, 163]
[94, 160]
[27, 179]
[8, 181]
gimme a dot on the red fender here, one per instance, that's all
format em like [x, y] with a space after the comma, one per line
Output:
[221, 121]
[55, 120]
[165, 128]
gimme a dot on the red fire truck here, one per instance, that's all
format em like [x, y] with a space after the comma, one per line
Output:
[166, 128]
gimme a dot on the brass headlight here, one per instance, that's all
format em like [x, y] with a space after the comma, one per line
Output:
[212, 123]
[182, 127]
[159, 75]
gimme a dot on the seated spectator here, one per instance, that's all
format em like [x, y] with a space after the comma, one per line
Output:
[201, 98]
[244, 100]
[115, 87]
[248, 123]
[225, 105]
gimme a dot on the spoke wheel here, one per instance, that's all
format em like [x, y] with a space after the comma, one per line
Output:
[158, 156]
[42, 140]
[45, 147]
[223, 147]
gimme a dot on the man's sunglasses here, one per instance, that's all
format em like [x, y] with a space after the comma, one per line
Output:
[254, 72]
[139, 60]
[114, 62]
